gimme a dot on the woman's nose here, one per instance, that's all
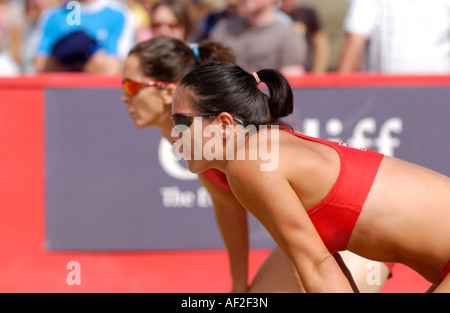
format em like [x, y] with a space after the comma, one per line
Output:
[125, 98]
[174, 136]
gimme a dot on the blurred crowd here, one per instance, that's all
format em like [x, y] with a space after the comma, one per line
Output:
[293, 36]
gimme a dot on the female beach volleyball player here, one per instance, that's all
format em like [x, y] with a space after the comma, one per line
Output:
[322, 197]
[161, 62]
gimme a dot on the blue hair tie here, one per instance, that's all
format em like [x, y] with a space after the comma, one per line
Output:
[195, 50]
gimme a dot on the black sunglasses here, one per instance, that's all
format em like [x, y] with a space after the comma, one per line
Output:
[181, 121]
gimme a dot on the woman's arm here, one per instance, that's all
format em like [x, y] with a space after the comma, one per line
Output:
[271, 199]
[321, 50]
[232, 221]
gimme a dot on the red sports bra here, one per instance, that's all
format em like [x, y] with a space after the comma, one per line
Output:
[217, 178]
[335, 216]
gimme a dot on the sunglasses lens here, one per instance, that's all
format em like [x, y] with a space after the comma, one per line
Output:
[181, 122]
[172, 26]
[131, 88]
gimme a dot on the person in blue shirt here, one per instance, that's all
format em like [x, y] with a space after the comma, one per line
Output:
[85, 35]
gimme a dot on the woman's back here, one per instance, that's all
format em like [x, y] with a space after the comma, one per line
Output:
[406, 218]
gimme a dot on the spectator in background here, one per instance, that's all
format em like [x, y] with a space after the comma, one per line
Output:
[146, 4]
[171, 18]
[144, 33]
[332, 14]
[10, 18]
[401, 36]
[260, 41]
[141, 18]
[26, 37]
[307, 23]
[207, 24]
[96, 41]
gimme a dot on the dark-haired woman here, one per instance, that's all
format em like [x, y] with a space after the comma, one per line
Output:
[151, 72]
[321, 197]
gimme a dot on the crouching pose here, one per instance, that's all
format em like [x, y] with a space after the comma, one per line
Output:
[315, 197]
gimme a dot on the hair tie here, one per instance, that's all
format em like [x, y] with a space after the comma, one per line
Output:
[195, 50]
[258, 81]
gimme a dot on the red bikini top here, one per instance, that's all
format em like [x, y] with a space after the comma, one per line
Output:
[335, 216]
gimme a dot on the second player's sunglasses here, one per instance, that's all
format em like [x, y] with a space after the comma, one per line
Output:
[131, 87]
[182, 120]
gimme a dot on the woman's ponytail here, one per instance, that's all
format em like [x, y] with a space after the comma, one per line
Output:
[281, 99]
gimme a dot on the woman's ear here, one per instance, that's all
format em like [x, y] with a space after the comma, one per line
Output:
[226, 123]
[168, 93]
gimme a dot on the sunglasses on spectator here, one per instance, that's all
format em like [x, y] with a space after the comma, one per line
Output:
[181, 121]
[172, 26]
[131, 87]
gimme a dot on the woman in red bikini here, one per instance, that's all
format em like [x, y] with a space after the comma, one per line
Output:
[162, 61]
[322, 197]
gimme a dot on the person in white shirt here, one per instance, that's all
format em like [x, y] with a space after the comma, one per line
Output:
[401, 36]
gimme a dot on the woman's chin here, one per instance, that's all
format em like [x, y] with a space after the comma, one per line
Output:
[196, 166]
[140, 124]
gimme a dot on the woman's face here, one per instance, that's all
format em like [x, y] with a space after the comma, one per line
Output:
[192, 143]
[150, 106]
[165, 23]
